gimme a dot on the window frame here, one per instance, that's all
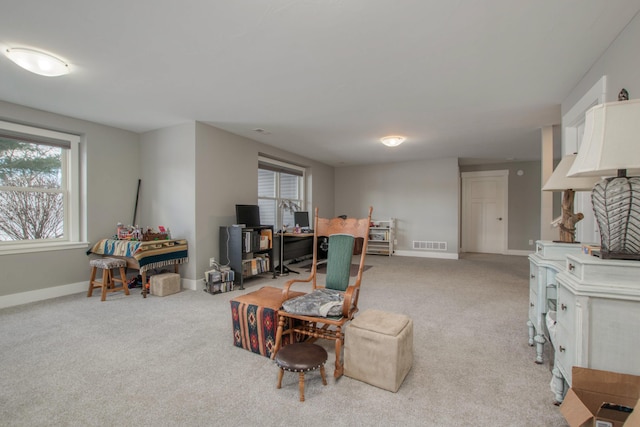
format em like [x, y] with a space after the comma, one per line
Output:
[74, 234]
[279, 166]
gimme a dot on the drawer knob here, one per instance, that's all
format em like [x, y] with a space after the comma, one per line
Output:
[571, 267]
[531, 304]
[533, 276]
[562, 349]
[563, 306]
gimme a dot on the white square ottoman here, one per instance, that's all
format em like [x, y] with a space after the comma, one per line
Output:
[165, 284]
[378, 349]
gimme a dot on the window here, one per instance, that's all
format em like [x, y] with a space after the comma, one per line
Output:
[39, 189]
[280, 185]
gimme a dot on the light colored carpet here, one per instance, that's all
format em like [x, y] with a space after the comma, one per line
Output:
[76, 361]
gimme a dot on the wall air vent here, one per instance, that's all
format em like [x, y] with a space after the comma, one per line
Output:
[427, 245]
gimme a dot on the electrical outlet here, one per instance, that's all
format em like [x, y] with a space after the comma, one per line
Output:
[395, 241]
[212, 261]
[530, 242]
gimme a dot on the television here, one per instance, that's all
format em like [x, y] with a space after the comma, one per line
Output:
[301, 219]
[249, 215]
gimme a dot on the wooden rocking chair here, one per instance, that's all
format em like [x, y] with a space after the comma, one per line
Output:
[342, 234]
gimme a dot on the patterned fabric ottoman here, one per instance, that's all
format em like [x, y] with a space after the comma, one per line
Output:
[255, 319]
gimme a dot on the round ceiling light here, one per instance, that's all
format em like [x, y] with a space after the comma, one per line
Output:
[38, 62]
[393, 140]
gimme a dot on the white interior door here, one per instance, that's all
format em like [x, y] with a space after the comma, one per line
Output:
[484, 217]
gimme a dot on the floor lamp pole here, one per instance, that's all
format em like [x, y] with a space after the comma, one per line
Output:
[281, 252]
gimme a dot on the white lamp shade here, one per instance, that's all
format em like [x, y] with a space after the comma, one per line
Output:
[559, 181]
[611, 140]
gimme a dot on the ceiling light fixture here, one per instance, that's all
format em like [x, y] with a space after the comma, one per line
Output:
[38, 62]
[393, 140]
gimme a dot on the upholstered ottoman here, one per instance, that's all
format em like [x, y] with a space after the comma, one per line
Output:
[165, 284]
[255, 320]
[378, 348]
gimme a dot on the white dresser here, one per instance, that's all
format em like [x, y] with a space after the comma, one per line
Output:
[598, 318]
[544, 265]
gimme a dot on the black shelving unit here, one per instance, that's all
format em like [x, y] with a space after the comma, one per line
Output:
[240, 247]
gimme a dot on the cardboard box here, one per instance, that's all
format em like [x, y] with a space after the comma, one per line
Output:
[591, 389]
[610, 415]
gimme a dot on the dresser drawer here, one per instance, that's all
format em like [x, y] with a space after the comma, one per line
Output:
[533, 275]
[564, 346]
[566, 310]
[591, 269]
[556, 250]
[533, 309]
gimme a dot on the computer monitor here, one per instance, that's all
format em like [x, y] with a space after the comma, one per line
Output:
[249, 215]
[301, 219]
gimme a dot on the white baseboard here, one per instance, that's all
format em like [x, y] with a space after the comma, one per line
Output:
[518, 252]
[193, 284]
[427, 254]
[74, 288]
[42, 294]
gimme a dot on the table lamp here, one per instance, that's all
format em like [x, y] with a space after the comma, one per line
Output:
[559, 181]
[611, 149]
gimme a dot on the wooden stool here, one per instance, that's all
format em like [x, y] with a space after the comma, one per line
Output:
[108, 279]
[301, 357]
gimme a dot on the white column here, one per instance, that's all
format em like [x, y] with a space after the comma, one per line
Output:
[547, 232]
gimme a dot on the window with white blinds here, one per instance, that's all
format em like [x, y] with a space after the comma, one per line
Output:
[280, 186]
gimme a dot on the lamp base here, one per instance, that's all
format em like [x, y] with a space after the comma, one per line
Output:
[616, 255]
[569, 218]
[616, 205]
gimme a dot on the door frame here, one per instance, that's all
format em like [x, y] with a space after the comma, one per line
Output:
[503, 174]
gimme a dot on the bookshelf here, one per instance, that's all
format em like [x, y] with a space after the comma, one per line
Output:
[381, 237]
[248, 251]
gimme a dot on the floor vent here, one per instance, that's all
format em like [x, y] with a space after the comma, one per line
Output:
[429, 245]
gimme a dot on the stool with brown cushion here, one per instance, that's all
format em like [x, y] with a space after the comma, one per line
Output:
[301, 357]
[108, 278]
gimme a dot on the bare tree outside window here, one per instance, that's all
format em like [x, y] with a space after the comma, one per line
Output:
[31, 191]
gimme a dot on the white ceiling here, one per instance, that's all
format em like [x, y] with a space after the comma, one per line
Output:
[324, 78]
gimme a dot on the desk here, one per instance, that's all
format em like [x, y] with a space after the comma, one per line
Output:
[292, 246]
[297, 245]
[144, 256]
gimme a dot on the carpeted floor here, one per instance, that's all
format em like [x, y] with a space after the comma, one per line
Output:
[170, 361]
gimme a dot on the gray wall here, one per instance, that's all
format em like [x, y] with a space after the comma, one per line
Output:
[206, 172]
[111, 158]
[524, 201]
[620, 63]
[423, 196]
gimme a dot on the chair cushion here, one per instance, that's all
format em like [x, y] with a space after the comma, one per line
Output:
[301, 357]
[108, 263]
[321, 302]
[339, 261]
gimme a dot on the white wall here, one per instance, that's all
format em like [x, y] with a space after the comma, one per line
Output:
[422, 195]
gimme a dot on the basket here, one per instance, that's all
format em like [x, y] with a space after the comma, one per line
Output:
[146, 237]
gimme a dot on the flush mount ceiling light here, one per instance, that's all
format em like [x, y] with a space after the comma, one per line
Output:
[38, 62]
[393, 140]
